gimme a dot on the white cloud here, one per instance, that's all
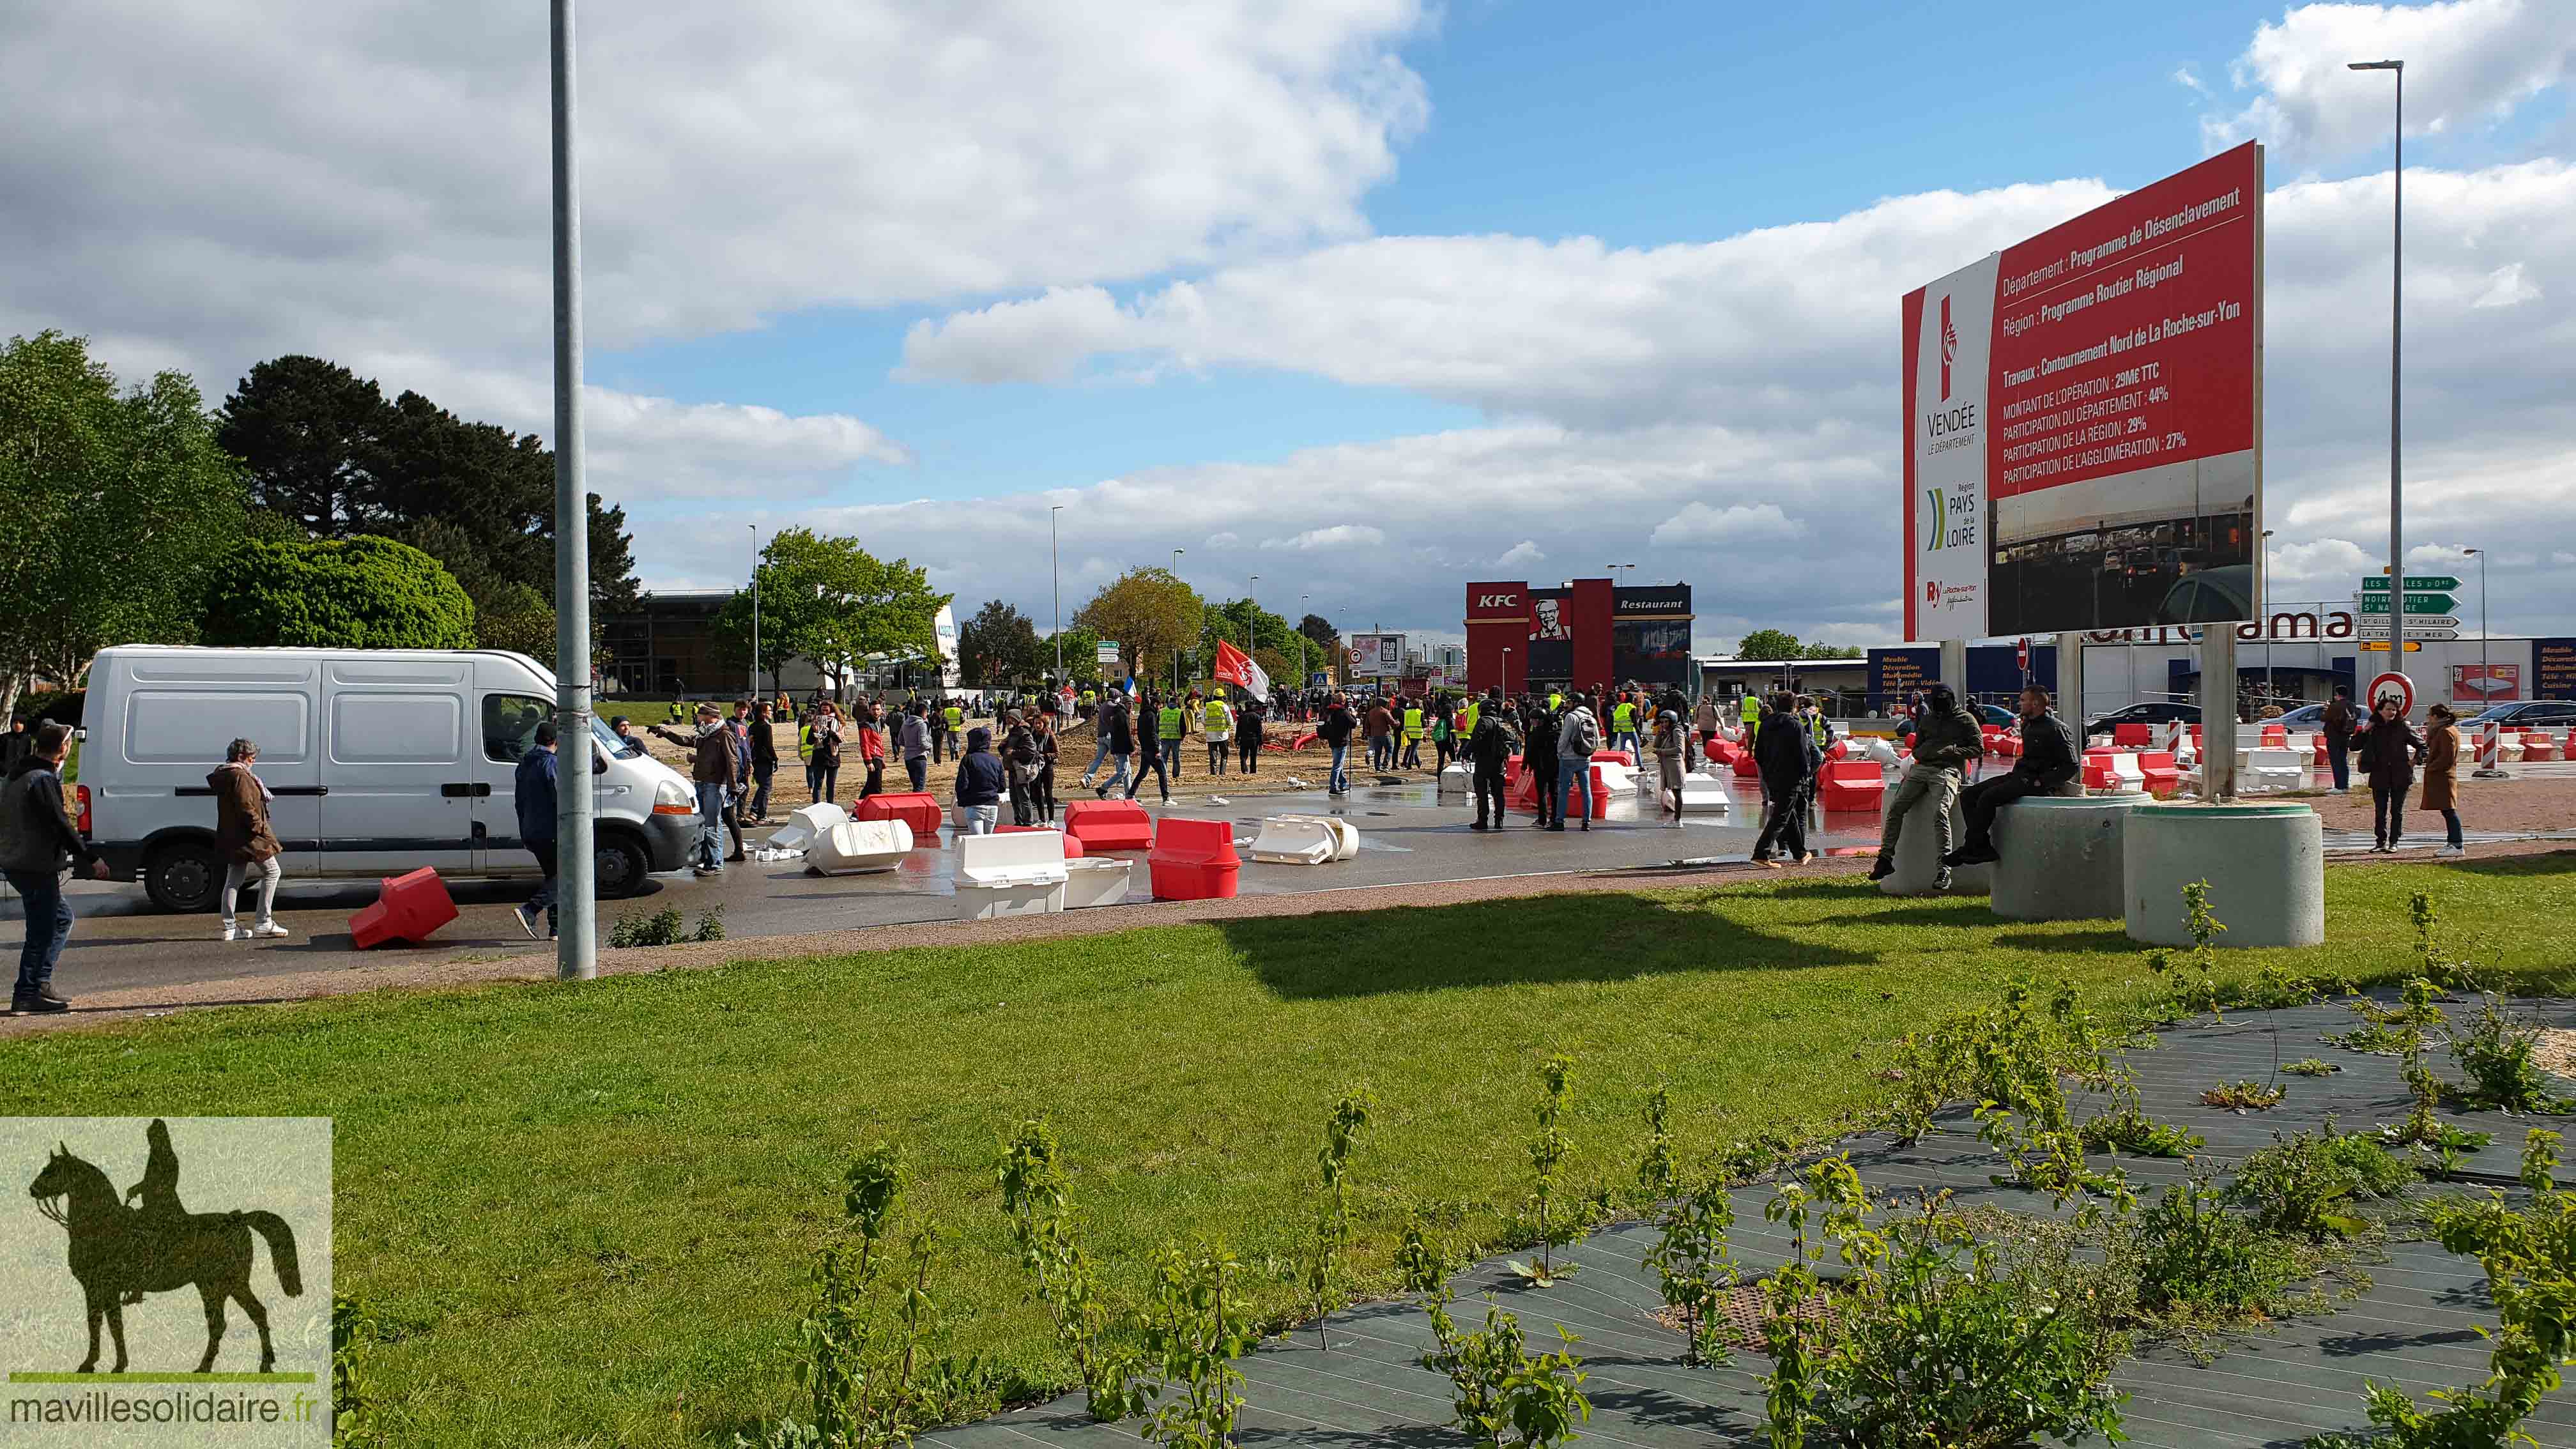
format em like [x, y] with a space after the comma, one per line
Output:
[1700, 525]
[1340, 535]
[1520, 554]
[2470, 62]
[2507, 287]
[1222, 540]
[2183, 77]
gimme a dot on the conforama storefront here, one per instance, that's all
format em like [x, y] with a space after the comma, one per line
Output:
[1583, 634]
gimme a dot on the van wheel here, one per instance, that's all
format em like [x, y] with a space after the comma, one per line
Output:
[184, 878]
[618, 867]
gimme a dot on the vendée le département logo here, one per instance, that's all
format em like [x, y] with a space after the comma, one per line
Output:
[167, 1281]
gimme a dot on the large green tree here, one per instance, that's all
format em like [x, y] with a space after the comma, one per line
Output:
[1768, 644]
[1155, 618]
[1081, 646]
[826, 599]
[114, 507]
[337, 593]
[999, 645]
[328, 453]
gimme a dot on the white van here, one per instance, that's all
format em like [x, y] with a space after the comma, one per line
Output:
[381, 761]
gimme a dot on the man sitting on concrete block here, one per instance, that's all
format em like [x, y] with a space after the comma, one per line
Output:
[2047, 764]
[1946, 742]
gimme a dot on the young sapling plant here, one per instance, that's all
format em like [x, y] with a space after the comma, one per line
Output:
[1548, 1150]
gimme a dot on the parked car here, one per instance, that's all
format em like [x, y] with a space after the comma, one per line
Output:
[2530, 714]
[2209, 596]
[2310, 717]
[380, 761]
[2147, 712]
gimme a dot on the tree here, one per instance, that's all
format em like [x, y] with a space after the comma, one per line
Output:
[327, 452]
[339, 593]
[826, 599]
[1000, 646]
[1081, 653]
[1151, 613]
[1768, 644]
[113, 509]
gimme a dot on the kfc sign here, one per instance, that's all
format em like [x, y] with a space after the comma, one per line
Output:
[1498, 601]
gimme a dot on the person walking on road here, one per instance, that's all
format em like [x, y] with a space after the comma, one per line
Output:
[2048, 761]
[1669, 742]
[950, 719]
[1249, 723]
[2389, 750]
[1335, 730]
[869, 718]
[1578, 734]
[1538, 761]
[1118, 737]
[1171, 727]
[913, 741]
[1150, 750]
[1019, 754]
[764, 761]
[2339, 720]
[1945, 742]
[711, 770]
[37, 843]
[1491, 745]
[1787, 758]
[532, 792]
[981, 781]
[1379, 726]
[1042, 777]
[1412, 735]
[2442, 775]
[248, 841]
[738, 794]
[1216, 725]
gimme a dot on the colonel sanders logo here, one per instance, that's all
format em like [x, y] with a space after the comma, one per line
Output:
[1551, 619]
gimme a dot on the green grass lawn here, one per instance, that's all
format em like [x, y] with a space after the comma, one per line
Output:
[588, 1210]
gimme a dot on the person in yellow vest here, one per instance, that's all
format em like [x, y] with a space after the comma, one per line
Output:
[952, 722]
[1752, 715]
[1413, 735]
[1555, 702]
[1217, 726]
[1623, 726]
[1819, 728]
[1171, 726]
[1466, 727]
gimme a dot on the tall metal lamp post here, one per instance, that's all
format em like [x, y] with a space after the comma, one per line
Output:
[1176, 649]
[2396, 295]
[1055, 573]
[755, 608]
[577, 940]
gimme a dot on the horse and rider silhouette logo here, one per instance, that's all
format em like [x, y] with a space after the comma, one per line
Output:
[120, 1253]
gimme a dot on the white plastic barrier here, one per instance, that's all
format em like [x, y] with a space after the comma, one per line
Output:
[1096, 880]
[807, 824]
[2276, 768]
[2127, 776]
[1456, 779]
[2509, 746]
[1881, 752]
[1620, 779]
[1305, 840]
[855, 846]
[1707, 794]
[1020, 874]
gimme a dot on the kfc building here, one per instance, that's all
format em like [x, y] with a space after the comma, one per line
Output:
[1584, 634]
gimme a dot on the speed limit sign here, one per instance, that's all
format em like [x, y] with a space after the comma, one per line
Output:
[2391, 682]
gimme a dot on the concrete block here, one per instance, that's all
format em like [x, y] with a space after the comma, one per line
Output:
[2062, 858]
[2265, 865]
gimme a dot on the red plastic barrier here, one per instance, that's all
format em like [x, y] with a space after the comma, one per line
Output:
[1108, 824]
[1745, 768]
[2133, 736]
[916, 810]
[2275, 736]
[1193, 860]
[1722, 752]
[1852, 785]
[1511, 775]
[1072, 846]
[1839, 749]
[1302, 741]
[2164, 777]
[408, 908]
[2098, 774]
[1614, 757]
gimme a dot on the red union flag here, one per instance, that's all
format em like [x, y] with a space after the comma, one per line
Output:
[1236, 668]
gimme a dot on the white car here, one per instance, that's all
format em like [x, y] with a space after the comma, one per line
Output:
[379, 761]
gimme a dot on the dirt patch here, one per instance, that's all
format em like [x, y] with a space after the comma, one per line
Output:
[2534, 804]
[2555, 1052]
[1741, 1312]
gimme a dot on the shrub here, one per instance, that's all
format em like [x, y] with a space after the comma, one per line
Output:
[2495, 1053]
[2309, 1185]
[351, 593]
[662, 928]
[2193, 1254]
[2246, 1096]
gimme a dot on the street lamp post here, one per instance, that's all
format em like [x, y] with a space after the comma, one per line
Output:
[2271, 690]
[1176, 648]
[2396, 294]
[755, 608]
[1055, 572]
[577, 942]
[1251, 612]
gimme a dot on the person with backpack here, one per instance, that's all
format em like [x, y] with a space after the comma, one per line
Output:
[1538, 761]
[1488, 748]
[1117, 735]
[248, 841]
[1578, 734]
[37, 843]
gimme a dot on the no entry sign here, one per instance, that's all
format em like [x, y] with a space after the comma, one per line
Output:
[2388, 683]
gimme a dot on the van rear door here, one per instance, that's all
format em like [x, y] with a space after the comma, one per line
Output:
[399, 769]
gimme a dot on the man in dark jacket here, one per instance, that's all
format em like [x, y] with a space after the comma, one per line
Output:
[981, 780]
[2047, 762]
[1788, 759]
[2339, 721]
[532, 788]
[1946, 741]
[1335, 730]
[36, 842]
[1487, 749]
[1117, 740]
[1538, 761]
[764, 761]
[712, 771]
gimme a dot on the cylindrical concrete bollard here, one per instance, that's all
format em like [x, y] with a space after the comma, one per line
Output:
[2265, 865]
[1918, 852]
[2062, 858]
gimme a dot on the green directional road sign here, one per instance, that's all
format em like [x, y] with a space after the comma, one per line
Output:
[2378, 583]
[2415, 604]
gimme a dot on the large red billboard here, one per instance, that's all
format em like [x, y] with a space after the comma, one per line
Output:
[2084, 419]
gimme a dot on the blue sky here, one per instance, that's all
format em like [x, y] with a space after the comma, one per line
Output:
[1305, 289]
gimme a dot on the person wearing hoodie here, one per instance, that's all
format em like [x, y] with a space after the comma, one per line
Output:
[1487, 749]
[1019, 754]
[1788, 759]
[711, 770]
[1150, 749]
[981, 781]
[1578, 734]
[532, 792]
[1538, 759]
[1946, 741]
[913, 743]
[1117, 734]
[1335, 730]
[248, 841]
[36, 842]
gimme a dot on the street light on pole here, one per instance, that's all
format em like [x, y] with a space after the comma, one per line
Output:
[2271, 691]
[2396, 294]
[577, 941]
[1252, 611]
[755, 608]
[1055, 571]
[1176, 649]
